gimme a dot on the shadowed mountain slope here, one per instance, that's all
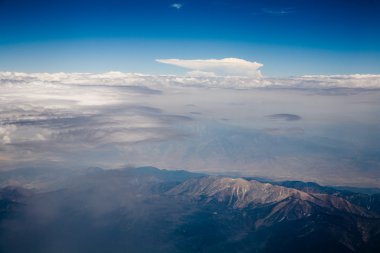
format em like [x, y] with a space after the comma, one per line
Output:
[152, 210]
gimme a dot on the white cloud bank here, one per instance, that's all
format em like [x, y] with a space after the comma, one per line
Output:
[114, 118]
[219, 67]
[196, 78]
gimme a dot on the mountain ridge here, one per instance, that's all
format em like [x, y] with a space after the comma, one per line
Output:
[149, 209]
[240, 193]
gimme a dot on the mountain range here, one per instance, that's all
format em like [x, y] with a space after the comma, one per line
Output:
[151, 210]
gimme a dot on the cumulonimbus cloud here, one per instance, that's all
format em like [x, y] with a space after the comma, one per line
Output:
[219, 67]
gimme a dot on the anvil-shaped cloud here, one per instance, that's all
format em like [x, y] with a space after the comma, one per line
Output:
[219, 67]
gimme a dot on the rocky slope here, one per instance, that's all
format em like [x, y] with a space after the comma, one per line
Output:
[241, 193]
[151, 210]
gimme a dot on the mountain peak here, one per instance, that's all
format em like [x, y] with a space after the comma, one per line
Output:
[240, 193]
[237, 192]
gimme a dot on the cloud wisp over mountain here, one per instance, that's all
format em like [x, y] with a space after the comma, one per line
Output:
[285, 116]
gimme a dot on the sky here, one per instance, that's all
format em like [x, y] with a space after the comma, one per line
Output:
[288, 37]
[287, 90]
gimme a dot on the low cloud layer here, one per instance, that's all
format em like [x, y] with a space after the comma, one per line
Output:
[291, 128]
[141, 83]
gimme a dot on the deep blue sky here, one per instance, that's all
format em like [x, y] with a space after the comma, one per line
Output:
[288, 37]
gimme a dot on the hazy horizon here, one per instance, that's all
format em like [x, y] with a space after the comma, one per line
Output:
[311, 128]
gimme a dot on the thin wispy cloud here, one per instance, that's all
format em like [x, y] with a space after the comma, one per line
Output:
[278, 12]
[177, 6]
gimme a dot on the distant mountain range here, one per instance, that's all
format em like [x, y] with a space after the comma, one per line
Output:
[151, 210]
